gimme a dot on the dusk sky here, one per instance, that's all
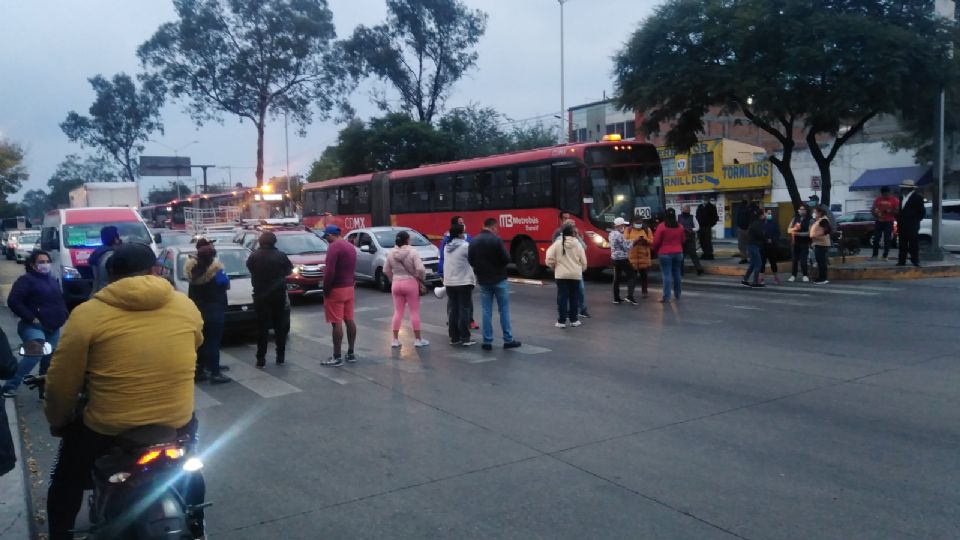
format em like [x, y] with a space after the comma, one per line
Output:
[50, 48]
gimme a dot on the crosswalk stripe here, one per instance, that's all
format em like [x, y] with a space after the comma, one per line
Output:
[203, 400]
[833, 285]
[751, 308]
[531, 349]
[313, 366]
[790, 290]
[260, 382]
[474, 358]
[778, 299]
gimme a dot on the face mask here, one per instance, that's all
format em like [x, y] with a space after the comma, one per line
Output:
[637, 225]
[770, 217]
[43, 268]
[713, 201]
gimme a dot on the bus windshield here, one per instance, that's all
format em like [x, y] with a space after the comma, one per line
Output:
[87, 235]
[625, 191]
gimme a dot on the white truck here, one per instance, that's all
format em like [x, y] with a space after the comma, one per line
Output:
[101, 194]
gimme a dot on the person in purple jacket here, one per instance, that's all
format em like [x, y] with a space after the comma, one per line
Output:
[37, 301]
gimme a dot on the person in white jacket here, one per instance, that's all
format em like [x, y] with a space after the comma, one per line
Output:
[459, 281]
[568, 261]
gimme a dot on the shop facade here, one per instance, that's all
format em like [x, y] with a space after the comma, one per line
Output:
[722, 169]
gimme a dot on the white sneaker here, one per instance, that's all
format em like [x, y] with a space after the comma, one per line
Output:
[791, 279]
[420, 343]
[560, 325]
[806, 279]
[395, 344]
[576, 323]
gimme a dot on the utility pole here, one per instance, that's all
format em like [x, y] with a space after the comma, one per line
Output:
[563, 106]
[947, 10]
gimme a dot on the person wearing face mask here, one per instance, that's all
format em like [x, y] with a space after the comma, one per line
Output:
[641, 236]
[771, 241]
[36, 299]
[708, 217]
[799, 231]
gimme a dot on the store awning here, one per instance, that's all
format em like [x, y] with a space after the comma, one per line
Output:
[891, 177]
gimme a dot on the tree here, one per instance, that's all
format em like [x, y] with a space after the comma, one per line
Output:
[422, 50]
[121, 119]
[12, 170]
[168, 193]
[786, 65]
[35, 203]
[325, 168]
[528, 137]
[475, 131]
[73, 172]
[253, 59]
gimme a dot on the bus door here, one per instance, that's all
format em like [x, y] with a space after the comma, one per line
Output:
[380, 200]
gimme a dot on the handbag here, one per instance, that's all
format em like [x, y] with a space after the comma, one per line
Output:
[423, 286]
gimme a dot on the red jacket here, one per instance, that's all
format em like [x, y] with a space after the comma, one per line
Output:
[668, 240]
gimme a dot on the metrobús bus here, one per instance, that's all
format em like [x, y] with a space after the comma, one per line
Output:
[524, 191]
[253, 203]
[156, 215]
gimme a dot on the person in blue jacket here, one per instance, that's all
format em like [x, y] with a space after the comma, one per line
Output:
[37, 301]
[208, 290]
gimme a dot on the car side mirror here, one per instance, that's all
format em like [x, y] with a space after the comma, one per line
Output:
[366, 248]
[157, 238]
[52, 243]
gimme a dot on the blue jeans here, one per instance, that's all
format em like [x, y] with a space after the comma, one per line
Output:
[32, 332]
[582, 297]
[208, 355]
[670, 266]
[487, 294]
[756, 263]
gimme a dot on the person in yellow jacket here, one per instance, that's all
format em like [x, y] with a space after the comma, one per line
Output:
[133, 349]
[568, 260]
[641, 235]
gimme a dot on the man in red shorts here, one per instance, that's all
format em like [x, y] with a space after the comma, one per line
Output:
[338, 292]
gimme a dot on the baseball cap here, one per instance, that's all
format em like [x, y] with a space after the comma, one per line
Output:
[619, 221]
[331, 229]
[130, 259]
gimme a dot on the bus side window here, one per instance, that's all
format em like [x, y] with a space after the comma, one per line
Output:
[499, 189]
[534, 187]
[467, 196]
[441, 198]
[399, 196]
[571, 197]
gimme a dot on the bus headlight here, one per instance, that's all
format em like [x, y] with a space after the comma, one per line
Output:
[597, 239]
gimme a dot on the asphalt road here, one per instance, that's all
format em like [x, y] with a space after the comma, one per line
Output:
[791, 412]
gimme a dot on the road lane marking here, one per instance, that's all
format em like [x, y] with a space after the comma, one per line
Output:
[257, 380]
[474, 357]
[203, 400]
[313, 366]
[753, 308]
[530, 349]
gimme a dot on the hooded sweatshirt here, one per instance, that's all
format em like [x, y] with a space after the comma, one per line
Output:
[38, 296]
[401, 262]
[566, 258]
[134, 345]
[457, 271]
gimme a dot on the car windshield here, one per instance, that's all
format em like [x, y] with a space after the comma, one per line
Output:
[234, 263]
[300, 244]
[175, 239]
[624, 192]
[29, 239]
[87, 235]
[388, 239]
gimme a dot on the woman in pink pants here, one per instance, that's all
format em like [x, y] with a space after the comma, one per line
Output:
[406, 271]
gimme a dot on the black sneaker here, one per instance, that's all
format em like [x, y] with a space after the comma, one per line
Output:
[350, 357]
[219, 378]
[745, 283]
[333, 361]
[585, 315]
[468, 343]
[455, 342]
[631, 301]
[757, 285]
[487, 346]
[615, 301]
[512, 344]
[200, 376]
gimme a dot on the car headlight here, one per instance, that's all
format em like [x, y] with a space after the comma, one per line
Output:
[297, 269]
[70, 272]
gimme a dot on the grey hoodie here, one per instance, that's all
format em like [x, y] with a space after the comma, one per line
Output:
[456, 268]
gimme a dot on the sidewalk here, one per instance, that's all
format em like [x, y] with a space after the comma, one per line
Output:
[853, 267]
[15, 516]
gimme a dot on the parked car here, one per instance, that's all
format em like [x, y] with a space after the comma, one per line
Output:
[857, 225]
[27, 242]
[10, 244]
[372, 246]
[306, 251]
[949, 232]
[240, 313]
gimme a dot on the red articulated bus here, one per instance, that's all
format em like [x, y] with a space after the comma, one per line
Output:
[524, 191]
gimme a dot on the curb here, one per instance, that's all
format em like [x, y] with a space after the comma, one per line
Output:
[15, 516]
[856, 274]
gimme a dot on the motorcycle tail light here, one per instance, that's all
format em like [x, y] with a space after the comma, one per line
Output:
[148, 457]
[170, 452]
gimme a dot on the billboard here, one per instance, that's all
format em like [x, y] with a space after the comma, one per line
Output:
[164, 166]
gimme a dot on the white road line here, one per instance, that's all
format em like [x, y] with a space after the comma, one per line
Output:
[530, 349]
[753, 308]
[313, 366]
[257, 380]
[203, 400]
[801, 286]
[473, 357]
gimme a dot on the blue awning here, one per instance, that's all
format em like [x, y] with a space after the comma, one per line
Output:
[891, 177]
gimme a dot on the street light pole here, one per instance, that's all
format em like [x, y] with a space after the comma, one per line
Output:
[563, 111]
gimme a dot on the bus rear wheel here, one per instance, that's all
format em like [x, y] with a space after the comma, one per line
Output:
[526, 259]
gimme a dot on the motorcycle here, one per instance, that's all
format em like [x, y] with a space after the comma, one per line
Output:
[149, 486]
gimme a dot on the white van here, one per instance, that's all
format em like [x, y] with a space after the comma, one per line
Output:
[71, 235]
[949, 232]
